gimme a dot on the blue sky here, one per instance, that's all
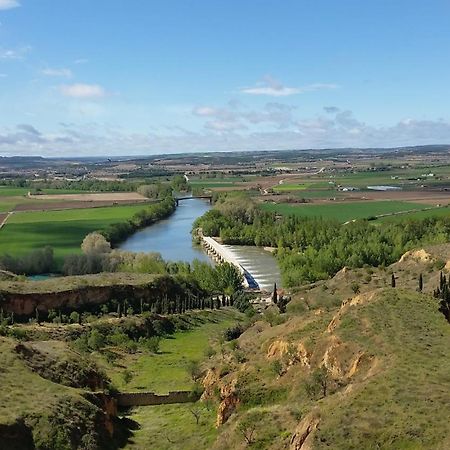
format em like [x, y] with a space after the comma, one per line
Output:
[122, 77]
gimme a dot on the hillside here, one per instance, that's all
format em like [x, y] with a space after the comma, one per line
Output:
[38, 409]
[341, 370]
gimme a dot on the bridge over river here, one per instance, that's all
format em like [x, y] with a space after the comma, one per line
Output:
[222, 254]
[203, 197]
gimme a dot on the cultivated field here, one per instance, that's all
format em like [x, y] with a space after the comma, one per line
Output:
[93, 197]
[344, 211]
[62, 230]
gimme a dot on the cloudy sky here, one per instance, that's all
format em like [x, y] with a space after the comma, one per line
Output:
[123, 77]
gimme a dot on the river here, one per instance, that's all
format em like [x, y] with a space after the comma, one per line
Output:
[171, 238]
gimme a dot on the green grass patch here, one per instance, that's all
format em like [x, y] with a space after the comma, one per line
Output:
[343, 211]
[166, 427]
[290, 187]
[435, 212]
[62, 230]
[168, 370]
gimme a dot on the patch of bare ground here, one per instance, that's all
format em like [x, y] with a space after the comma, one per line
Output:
[419, 196]
[69, 204]
[93, 197]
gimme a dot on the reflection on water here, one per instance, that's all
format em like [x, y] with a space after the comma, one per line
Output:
[260, 263]
[172, 236]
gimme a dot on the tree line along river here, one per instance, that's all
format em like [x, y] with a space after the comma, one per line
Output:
[171, 238]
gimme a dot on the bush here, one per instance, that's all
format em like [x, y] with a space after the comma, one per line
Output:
[96, 340]
[17, 333]
[151, 344]
[277, 367]
[127, 376]
[210, 352]
[194, 370]
[233, 333]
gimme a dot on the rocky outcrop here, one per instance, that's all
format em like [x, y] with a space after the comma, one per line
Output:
[228, 402]
[27, 298]
[209, 382]
[353, 301]
[292, 352]
[227, 392]
[302, 439]
[417, 255]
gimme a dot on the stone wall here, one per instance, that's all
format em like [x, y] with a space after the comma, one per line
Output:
[150, 398]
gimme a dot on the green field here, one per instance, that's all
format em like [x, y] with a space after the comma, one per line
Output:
[173, 426]
[344, 211]
[167, 371]
[210, 184]
[291, 187]
[167, 427]
[62, 230]
[10, 197]
[435, 212]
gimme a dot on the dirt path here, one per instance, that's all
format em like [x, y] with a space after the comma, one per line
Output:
[3, 223]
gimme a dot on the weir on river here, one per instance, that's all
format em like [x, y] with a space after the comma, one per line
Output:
[171, 237]
[222, 254]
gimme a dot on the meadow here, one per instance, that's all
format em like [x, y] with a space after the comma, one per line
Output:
[169, 369]
[62, 230]
[173, 426]
[344, 211]
[166, 427]
[434, 212]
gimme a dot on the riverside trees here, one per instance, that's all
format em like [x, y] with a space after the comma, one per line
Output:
[309, 249]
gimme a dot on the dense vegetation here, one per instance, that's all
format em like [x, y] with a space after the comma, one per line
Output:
[151, 214]
[91, 185]
[310, 249]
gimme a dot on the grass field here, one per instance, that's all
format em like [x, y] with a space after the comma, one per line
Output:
[168, 370]
[173, 426]
[167, 427]
[343, 211]
[10, 197]
[62, 230]
[291, 187]
[435, 212]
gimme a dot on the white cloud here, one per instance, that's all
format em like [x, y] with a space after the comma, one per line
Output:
[224, 133]
[79, 90]
[18, 53]
[236, 116]
[272, 87]
[49, 72]
[8, 4]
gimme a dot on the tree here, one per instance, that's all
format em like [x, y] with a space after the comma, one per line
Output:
[127, 376]
[275, 294]
[248, 425]
[318, 383]
[196, 413]
[95, 243]
[96, 340]
[194, 370]
[420, 283]
[393, 281]
[355, 287]
[74, 317]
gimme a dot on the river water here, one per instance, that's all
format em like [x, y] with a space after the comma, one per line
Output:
[171, 238]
